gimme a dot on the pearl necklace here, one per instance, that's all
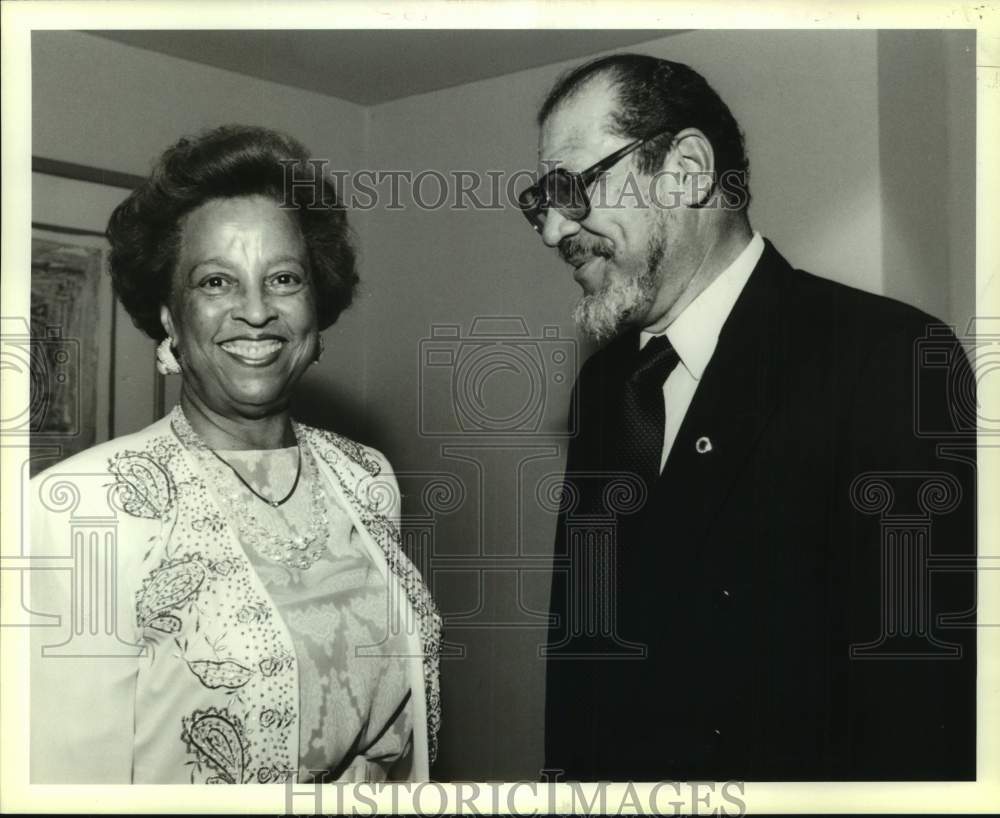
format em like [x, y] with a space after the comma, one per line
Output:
[293, 550]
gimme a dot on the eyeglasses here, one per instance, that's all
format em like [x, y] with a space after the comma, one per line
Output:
[566, 190]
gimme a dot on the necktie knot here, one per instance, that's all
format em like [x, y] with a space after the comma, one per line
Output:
[655, 361]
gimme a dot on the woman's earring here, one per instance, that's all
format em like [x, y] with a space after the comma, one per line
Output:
[319, 348]
[166, 362]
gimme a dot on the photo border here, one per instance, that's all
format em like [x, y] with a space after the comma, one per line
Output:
[18, 19]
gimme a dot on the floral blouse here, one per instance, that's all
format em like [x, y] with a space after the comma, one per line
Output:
[354, 708]
[177, 655]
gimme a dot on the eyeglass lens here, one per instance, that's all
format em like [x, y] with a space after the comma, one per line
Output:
[558, 189]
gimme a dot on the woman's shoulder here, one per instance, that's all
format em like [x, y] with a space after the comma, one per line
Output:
[97, 458]
[88, 483]
[358, 455]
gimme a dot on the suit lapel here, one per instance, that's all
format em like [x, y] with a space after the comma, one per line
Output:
[732, 404]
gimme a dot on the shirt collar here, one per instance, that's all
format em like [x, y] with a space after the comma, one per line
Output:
[695, 332]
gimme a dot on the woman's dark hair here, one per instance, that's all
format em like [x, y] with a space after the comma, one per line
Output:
[656, 96]
[227, 162]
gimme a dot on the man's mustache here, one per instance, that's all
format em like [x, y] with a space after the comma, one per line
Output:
[575, 251]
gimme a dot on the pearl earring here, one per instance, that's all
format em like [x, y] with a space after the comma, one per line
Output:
[166, 362]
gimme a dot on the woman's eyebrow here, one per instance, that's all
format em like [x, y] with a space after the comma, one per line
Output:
[216, 260]
[285, 259]
[219, 261]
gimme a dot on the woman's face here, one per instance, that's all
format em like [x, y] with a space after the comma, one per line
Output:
[242, 311]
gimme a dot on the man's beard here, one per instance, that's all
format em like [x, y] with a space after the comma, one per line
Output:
[622, 301]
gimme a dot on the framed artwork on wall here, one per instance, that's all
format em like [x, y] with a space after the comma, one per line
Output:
[70, 355]
[93, 374]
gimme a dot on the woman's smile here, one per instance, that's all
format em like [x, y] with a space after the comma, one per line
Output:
[254, 351]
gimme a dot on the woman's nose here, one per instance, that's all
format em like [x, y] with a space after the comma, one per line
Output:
[255, 307]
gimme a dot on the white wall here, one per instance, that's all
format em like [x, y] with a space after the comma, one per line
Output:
[101, 103]
[917, 205]
[960, 118]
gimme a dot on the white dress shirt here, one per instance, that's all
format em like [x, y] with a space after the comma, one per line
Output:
[695, 333]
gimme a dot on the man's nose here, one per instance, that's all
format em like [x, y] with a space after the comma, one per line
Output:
[557, 227]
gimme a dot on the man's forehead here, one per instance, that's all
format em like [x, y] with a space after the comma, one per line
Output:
[577, 146]
[563, 141]
[580, 122]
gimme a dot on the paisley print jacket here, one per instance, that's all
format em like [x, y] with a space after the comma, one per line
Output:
[165, 660]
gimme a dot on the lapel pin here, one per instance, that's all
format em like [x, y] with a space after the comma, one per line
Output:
[703, 445]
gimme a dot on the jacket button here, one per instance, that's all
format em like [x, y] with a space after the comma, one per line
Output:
[703, 445]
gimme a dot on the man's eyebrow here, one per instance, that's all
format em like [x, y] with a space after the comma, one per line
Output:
[558, 156]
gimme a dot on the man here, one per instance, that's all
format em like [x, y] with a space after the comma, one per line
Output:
[764, 562]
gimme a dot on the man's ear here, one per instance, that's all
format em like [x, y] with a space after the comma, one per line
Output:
[167, 321]
[694, 159]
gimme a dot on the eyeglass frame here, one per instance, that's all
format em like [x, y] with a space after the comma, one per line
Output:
[581, 182]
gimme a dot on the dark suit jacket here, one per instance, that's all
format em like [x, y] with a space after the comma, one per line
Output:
[803, 590]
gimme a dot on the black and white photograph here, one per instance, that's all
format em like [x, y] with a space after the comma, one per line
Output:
[414, 405]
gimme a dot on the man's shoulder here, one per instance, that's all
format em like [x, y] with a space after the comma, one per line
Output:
[875, 342]
[865, 304]
[830, 311]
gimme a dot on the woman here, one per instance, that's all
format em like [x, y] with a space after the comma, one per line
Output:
[268, 624]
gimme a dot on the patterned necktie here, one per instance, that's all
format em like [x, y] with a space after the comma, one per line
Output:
[643, 414]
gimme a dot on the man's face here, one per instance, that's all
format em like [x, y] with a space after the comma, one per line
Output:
[619, 252]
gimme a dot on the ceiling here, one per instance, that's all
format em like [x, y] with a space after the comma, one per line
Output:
[373, 66]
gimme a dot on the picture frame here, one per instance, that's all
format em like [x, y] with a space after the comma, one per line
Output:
[93, 374]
